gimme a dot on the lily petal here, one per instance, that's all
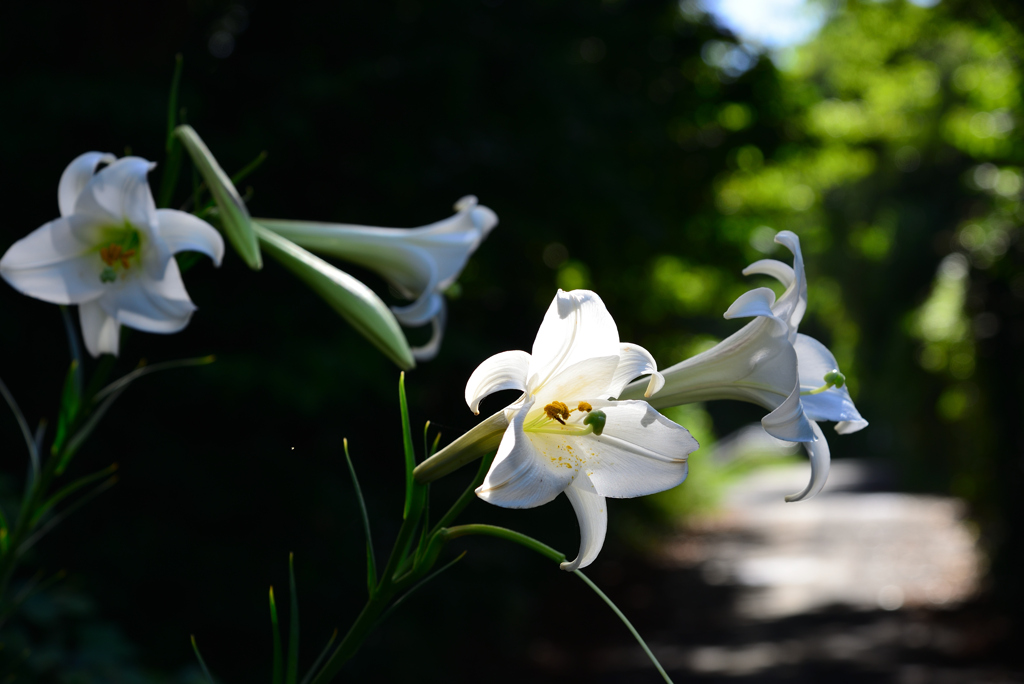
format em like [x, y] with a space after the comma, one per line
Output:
[503, 371]
[158, 306]
[589, 379]
[756, 302]
[774, 268]
[592, 514]
[792, 305]
[75, 177]
[183, 232]
[101, 331]
[577, 326]
[789, 420]
[429, 350]
[52, 263]
[835, 403]
[120, 193]
[639, 452]
[820, 459]
[634, 361]
[525, 472]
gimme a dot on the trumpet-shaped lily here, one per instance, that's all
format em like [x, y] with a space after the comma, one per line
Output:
[768, 362]
[566, 432]
[111, 252]
[419, 262]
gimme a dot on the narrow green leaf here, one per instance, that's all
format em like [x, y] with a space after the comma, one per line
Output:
[33, 454]
[320, 659]
[202, 663]
[73, 346]
[410, 454]
[59, 517]
[278, 671]
[371, 560]
[356, 303]
[416, 586]
[172, 102]
[292, 675]
[123, 382]
[625, 621]
[70, 403]
[70, 489]
[467, 496]
[233, 212]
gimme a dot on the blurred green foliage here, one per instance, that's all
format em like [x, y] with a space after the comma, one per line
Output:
[621, 152]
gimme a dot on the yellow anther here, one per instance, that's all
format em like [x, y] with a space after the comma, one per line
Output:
[584, 406]
[556, 410]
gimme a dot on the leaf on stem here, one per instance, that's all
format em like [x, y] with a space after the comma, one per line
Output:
[416, 586]
[233, 212]
[320, 659]
[356, 303]
[69, 490]
[278, 671]
[410, 454]
[70, 403]
[23, 424]
[292, 674]
[371, 562]
[202, 663]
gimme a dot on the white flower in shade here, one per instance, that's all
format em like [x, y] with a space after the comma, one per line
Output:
[768, 362]
[111, 252]
[567, 433]
[418, 262]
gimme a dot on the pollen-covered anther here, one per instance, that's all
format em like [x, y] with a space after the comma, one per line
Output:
[557, 410]
[584, 406]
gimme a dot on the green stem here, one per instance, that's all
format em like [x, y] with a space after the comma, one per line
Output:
[629, 625]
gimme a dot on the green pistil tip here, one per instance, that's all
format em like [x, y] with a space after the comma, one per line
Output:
[596, 420]
[834, 377]
[107, 275]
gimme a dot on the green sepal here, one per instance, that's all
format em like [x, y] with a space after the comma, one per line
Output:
[233, 213]
[356, 303]
[70, 403]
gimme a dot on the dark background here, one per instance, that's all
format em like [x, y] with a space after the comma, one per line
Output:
[609, 139]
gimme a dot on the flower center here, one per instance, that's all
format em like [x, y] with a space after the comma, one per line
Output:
[118, 253]
[559, 412]
[832, 379]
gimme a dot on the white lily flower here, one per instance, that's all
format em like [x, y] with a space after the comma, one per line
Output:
[111, 252]
[419, 262]
[768, 362]
[566, 433]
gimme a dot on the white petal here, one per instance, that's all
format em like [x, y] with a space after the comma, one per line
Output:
[421, 311]
[53, 264]
[75, 177]
[158, 306]
[577, 326]
[756, 302]
[183, 232]
[634, 361]
[429, 350]
[793, 303]
[588, 380]
[819, 455]
[503, 371]
[789, 421]
[592, 514]
[119, 193]
[101, 332]
[639, 452]
[755, 364]
[835, 403]
[527, 470]
[774, 268]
